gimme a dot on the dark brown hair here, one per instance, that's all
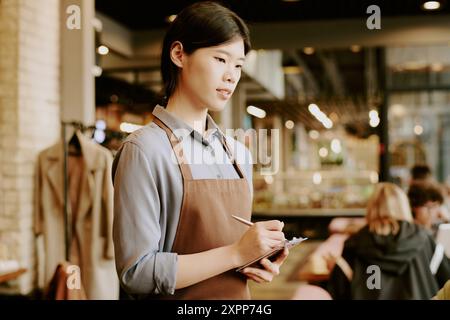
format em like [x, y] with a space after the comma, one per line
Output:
[420, 193]
[420, 172]
[200, 25]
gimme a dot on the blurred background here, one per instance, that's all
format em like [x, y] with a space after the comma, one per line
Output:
[359, 95]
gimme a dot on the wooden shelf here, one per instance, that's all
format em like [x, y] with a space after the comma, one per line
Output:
[4, 277]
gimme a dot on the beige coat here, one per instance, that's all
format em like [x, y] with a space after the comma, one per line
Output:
[93, 226]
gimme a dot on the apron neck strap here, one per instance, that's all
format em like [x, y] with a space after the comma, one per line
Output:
[232, 158]
[177, 149]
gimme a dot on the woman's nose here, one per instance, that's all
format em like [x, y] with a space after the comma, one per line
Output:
[230, 76]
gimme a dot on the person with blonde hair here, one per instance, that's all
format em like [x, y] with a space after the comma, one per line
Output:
[391, 257]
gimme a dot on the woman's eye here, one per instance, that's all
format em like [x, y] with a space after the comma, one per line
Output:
[239, 66]
[220, 59]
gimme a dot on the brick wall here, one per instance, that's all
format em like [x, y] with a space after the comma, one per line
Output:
[29, 120]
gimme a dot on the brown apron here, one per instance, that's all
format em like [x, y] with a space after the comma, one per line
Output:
[206, 223]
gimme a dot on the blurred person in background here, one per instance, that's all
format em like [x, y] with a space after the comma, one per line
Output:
[421, 173]
[427, 204]
[405, 253]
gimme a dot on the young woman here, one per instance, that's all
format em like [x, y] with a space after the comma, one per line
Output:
[174, 234]
[392, 257]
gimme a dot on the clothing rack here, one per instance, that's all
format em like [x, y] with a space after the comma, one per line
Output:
[77, 126]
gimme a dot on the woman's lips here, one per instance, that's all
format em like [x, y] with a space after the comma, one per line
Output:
[224, 93]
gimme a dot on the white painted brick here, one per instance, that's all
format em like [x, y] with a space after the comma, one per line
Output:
[7, 128]
[8, 221]
[17, 183]
[26, 218]
[15, 222]
[11, 197]
[29, 86]
[10, 183]
[9, 116]
[9, 170]
[9, 141]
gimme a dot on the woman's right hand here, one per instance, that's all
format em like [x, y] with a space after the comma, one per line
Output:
[258, 240]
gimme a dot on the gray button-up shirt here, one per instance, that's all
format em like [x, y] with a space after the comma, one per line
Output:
[148, 190]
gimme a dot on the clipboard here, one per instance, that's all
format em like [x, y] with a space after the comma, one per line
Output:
[287, 244]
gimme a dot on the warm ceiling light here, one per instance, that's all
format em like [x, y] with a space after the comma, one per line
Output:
[314, 134]
[374, 122]
[355, 48]
[309, 50]
[323, 152]
[319, 115]
[171, 18]
[289, 124]
[336, 146]
[256, 112]
[317, 178]
[431, 5]
[418, 129]
[103, 50]
[373, 114]
[292, 70]
[327, 123]
[313, 108]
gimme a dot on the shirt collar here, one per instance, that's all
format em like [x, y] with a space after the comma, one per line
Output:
[181, 129]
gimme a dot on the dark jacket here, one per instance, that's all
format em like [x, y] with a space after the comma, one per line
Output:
[403, 261]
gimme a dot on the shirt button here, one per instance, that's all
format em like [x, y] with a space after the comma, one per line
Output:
[219, 176]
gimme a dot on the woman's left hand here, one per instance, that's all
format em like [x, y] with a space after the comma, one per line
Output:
[271, 268]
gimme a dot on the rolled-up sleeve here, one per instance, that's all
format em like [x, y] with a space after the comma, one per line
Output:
[141, 267]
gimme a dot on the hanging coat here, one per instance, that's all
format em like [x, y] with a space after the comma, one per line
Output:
[92, 228]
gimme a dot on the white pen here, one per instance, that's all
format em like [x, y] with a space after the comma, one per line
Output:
[251, 223]
[242, 220]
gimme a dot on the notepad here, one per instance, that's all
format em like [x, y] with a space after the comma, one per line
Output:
[287, 244]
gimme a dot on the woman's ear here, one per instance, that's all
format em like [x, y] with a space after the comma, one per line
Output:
[177, 54]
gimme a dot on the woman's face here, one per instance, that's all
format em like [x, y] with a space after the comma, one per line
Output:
[427, 214]
[210, 75]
